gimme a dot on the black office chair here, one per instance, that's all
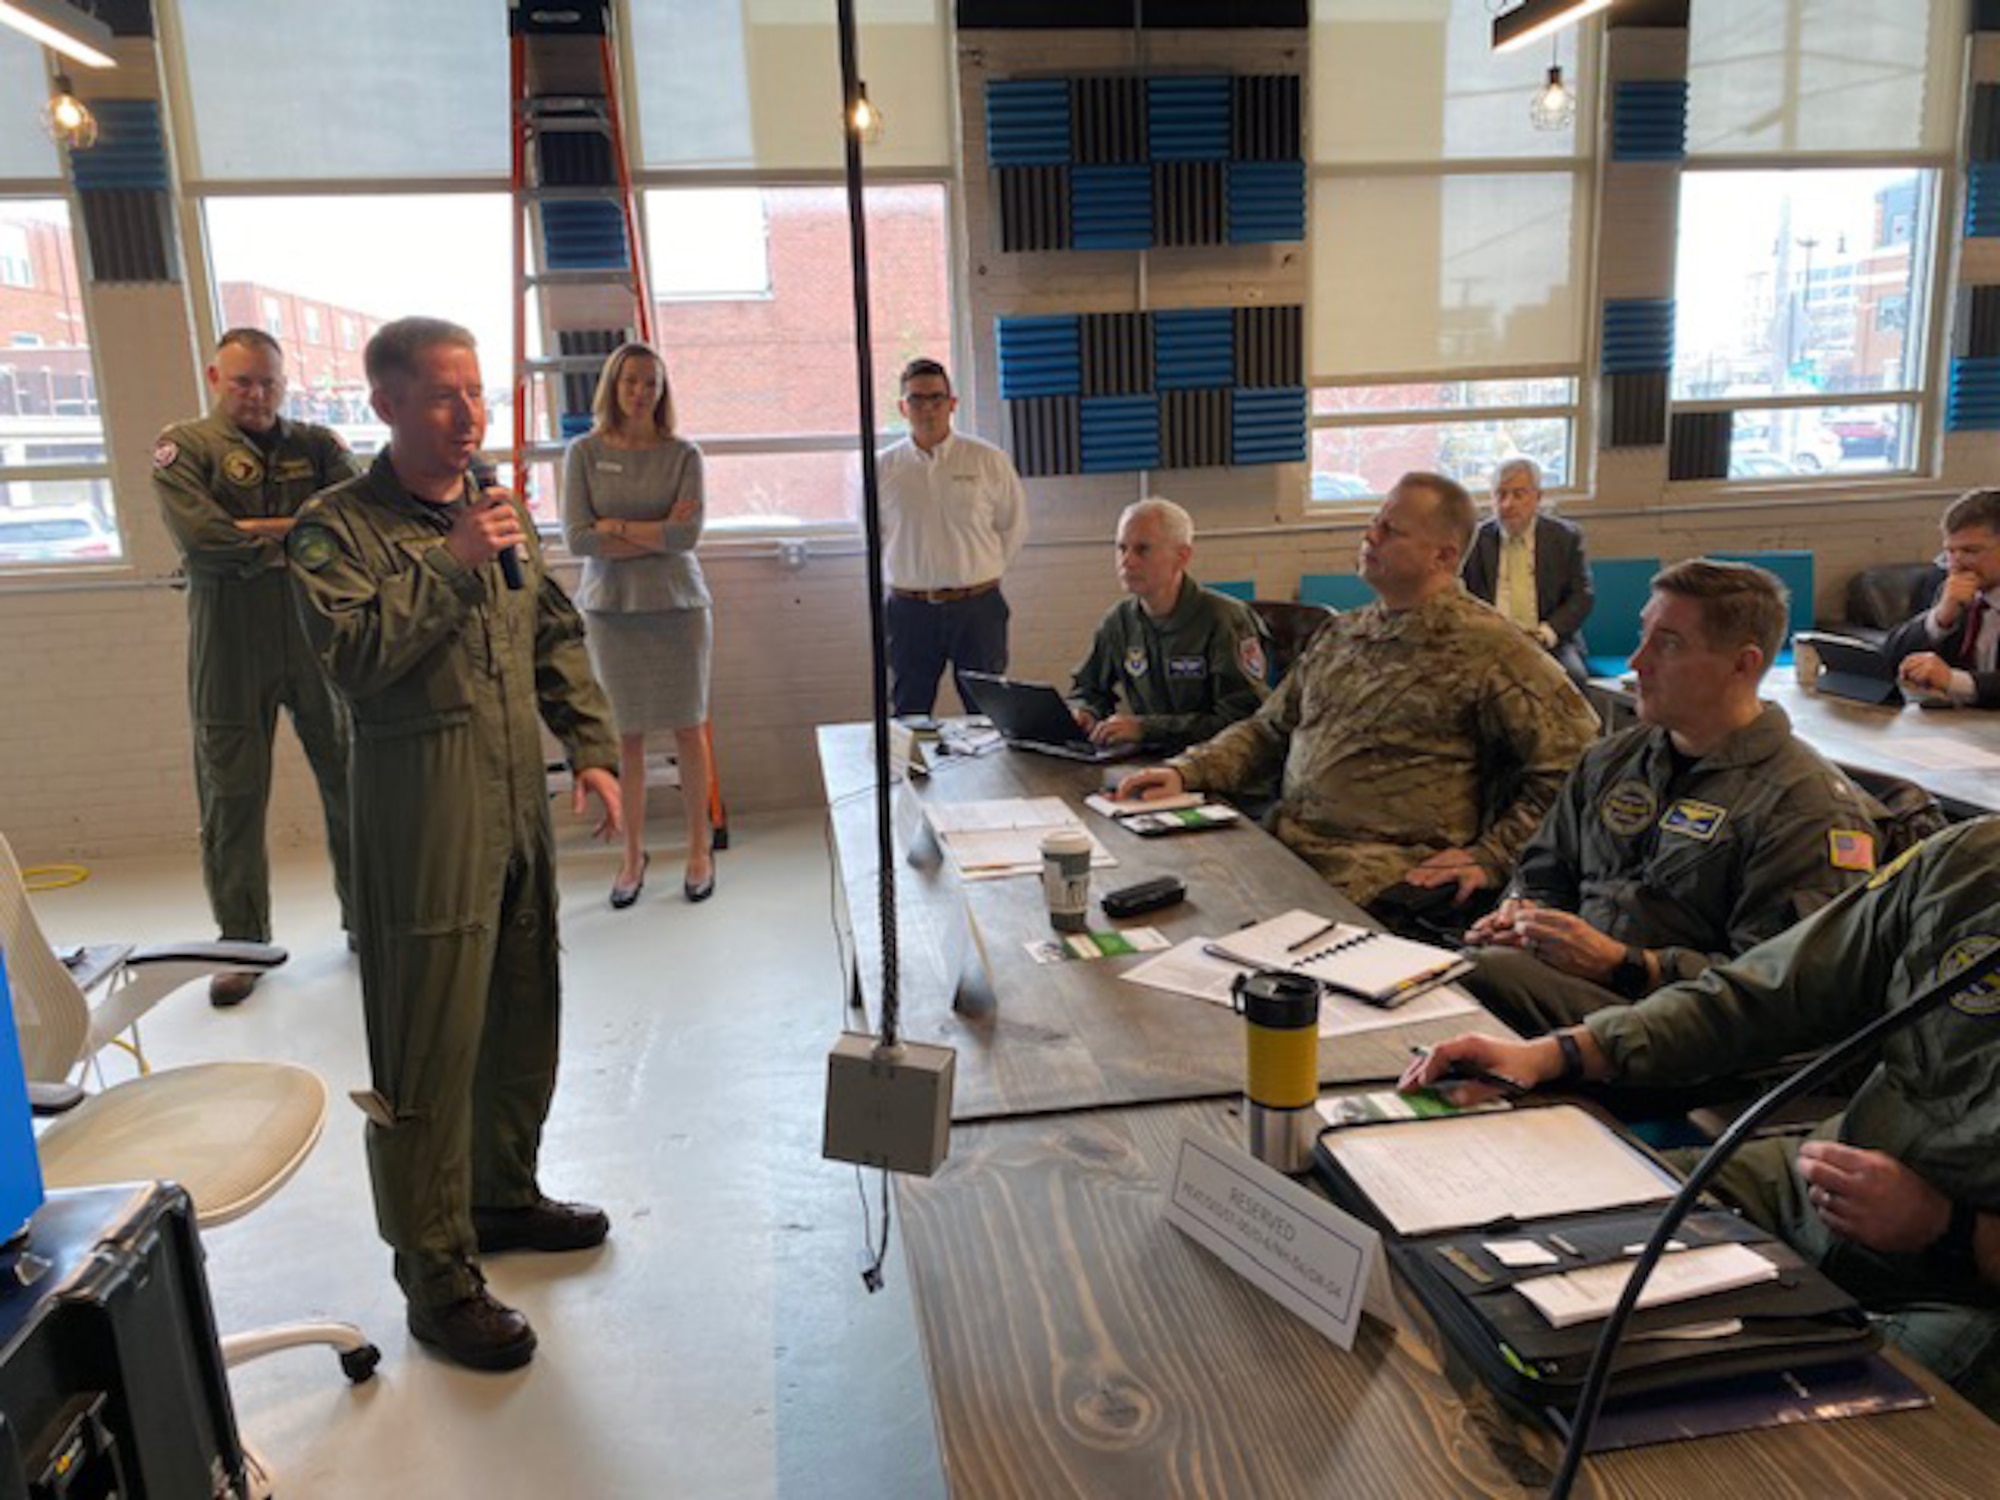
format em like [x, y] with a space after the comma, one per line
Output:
[1291, 626]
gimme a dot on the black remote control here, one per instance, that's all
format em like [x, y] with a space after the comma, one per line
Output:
[1147, 895]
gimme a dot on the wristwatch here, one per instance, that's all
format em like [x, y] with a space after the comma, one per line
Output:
[1957, 1249]
[1630, 976]
[1572, 1056]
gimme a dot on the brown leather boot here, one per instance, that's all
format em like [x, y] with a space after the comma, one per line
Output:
[480, 1332]
[225, 990]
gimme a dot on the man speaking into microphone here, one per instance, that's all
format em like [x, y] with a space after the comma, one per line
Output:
[446, 662]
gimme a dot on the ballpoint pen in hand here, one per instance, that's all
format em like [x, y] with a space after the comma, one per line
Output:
[1462, 1072]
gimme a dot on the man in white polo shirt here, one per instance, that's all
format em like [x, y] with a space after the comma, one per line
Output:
[954, 517]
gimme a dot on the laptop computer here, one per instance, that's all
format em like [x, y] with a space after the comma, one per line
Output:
[1853, 669]
[1033, 716]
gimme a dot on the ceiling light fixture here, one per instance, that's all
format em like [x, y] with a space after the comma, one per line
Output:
[61, 28]
[865, 119]
[1535, 19]
[1554, 104]
[67, 119]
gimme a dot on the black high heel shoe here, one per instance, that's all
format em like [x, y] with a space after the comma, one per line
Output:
[700, 890]
[623, 896]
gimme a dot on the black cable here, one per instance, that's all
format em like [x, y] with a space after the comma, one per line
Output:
[1828, 1063]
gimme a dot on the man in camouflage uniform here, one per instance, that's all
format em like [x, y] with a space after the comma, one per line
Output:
[401, 587]
[1401, 720]
[1685, 840]
[1188, 660]
[229, 486]
[1898, 1197]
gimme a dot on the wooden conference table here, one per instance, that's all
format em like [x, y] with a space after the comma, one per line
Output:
[1954, 753]
[1078, 1345]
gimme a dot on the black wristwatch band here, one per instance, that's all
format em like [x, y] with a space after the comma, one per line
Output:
[1630, 976]
[1572, 1055]
[1957, 1249]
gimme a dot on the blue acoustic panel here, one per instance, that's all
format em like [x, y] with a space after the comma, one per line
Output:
[1187, 119]
[131, 150]
[1982, 200]
[1039, 356]
[1649, 120]
[1120, 433]
[1194, 347]
[584, 234]
[575, 424]
[1791, 566]
[1236, 588]
[1266, 202]
[1620, 588]
[1638, 335]
[1268, 426]
[1111, 208]
[1337, 591]
[1974, 402]
[1028, 122]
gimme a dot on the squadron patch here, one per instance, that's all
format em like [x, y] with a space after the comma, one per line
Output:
[311, 547]
[165, 451]
[1250, 657]
[1628, 808]
[1695, 820]
[1851, 849]
[242, 467]
[1135, 661]
[1983, 999]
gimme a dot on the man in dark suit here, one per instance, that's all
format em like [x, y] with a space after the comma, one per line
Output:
[1532, 567]
[1952, 649]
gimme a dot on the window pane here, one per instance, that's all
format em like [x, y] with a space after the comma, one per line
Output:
[1796, 282]
[1778, 443]
[287, 89]
[1449, 395]
[1418, 80]
[1417, 274]
[1354, 462]
[1801, 76]
[756, 83]
[25, 149]
[56, 520]
[347, 261]
[781, 489]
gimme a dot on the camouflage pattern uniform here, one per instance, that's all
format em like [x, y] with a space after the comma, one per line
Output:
[445, 671]
[1932, 1101]
[1183, 677]
[246, 657]
[1697, 860]
[1393, 732]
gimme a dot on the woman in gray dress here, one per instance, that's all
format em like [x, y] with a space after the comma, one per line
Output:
[632, 509]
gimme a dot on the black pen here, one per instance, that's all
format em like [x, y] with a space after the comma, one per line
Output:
[1310, 938]
[1459, 1072]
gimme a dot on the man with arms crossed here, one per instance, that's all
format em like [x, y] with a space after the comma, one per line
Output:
[229, 485]
[402, 589]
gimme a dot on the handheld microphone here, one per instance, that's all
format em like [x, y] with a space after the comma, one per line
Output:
[488, 478]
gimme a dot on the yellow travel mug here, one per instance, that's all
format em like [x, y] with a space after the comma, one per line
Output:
[1281, 1078]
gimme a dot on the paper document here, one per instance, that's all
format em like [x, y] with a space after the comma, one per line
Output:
[1586, 1295]
[1110, 807]
[1003, 836]
[1377, 966]
[1524, 1164]
[1192, 967]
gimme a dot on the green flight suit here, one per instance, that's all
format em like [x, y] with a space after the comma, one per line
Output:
[1932, 1101]
[1697, 860]
[246, 656]
[1403, 734]
[1184, 677]
[444, 671]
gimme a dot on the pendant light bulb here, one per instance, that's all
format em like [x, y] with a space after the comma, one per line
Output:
[865, 120]
[67, 119]
[1554, 104]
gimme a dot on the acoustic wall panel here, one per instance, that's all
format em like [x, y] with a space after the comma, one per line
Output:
[1028, 122]
[1111, 208]
[1270, 345]
[1649, 120]
[1974, 402]
[131, 149]
[1046, 435]
[1976, 329]
[1982, 199]
[575, 158]
[1117, 351]
[1034, 208]
[1268, 426]
[1195, 429]
[1193, 347]
[1119, 433]
[121, 185]
[1109, 123]
[1638, 335]
[1982, 141]
[1635, 409]
[1039, 356]
[1265, 202]
[1264, 118]
[1698, 445]
[584, 234]
[1188, 118]
[1187, 203]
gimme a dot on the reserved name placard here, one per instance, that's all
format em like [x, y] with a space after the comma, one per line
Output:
[1289, 1243]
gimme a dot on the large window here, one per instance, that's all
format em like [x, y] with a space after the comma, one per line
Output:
[1449, 249]
[1808, 245]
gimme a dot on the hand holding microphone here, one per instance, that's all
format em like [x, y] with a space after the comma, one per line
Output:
[490, 530]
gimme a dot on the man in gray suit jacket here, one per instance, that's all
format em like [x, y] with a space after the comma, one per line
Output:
[1953, 648]
[1532, 567]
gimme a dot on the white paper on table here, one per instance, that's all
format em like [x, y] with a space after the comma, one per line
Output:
[1185, 969]
[1000, 813]
[1520, 1254]
[1587, 1295]
[987, 852]
[1189, 969]
[1114, 809]
[1947, 755]
[1526, 1164]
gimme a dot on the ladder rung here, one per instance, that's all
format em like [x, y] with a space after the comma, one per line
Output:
[573, 193]
[563, 104]
[572, 363]
[609, 276]
[535, 452]
[569, 125]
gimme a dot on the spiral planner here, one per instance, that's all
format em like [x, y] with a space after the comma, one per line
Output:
[1378, 967]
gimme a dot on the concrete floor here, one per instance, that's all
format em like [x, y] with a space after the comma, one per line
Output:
[720, 1345]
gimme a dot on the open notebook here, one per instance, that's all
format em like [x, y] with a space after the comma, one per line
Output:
[1374, 966]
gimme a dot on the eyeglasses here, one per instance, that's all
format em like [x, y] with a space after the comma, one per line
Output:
[927, 398]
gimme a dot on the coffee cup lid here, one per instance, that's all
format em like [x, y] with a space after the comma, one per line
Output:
[1066, 841]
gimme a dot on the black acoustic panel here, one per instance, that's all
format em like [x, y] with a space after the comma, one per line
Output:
[575, 158]
[1264, 120]
[131, 235]
[1108, 119]
[580, 386]
[1698, 445]
[1194, 429]
[1270, 346]
[1117, 351]
[1047, 435]
[1123, 15]
[1983, 140]
[1034, 208]
[1976, 334]
[1635, 408]
[1188, 203]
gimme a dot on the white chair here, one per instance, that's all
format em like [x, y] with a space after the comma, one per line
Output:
[76, 1013]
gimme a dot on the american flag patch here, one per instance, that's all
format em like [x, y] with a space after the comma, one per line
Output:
[1851, 849]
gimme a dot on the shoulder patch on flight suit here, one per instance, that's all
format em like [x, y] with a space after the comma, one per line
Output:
[239, 466]
[1983, 999]
[1696, 820]
[311, 547]
[1628, 807]
[1135, 661]
[1250, 657]
[165, 451]
[1187, 666]
[1889, 871]
[1850, 849]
